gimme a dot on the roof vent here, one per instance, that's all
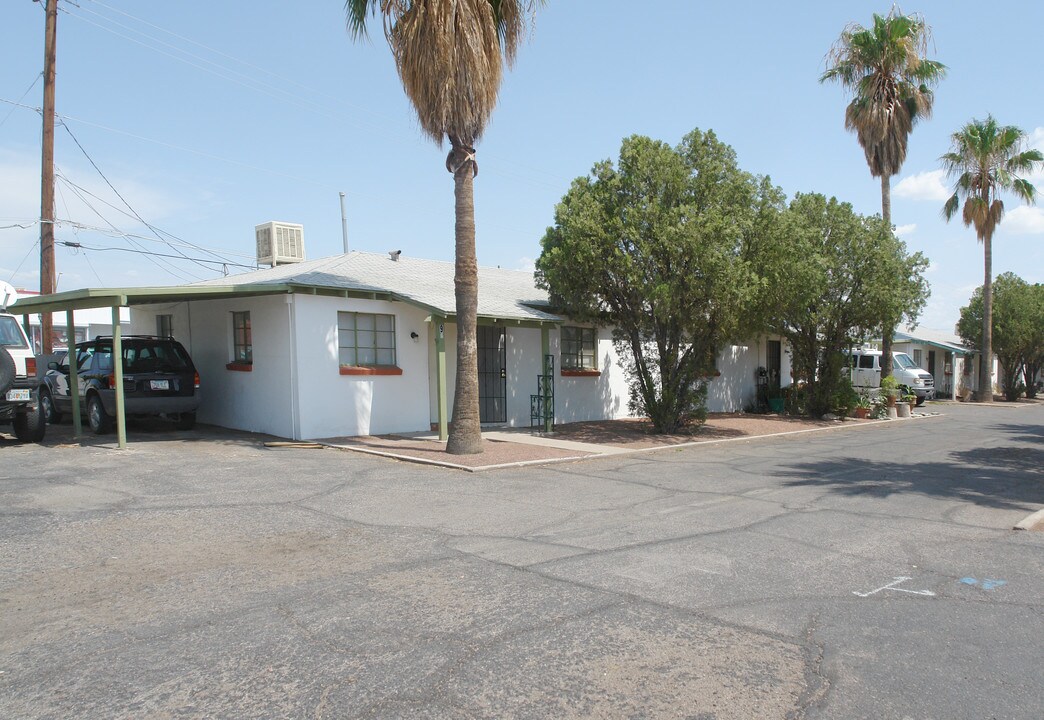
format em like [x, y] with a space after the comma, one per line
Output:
[279, 243]
[394, 254]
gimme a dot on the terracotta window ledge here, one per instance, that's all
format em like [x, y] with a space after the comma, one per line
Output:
[239, 367]
[581, 373]
[373, 370]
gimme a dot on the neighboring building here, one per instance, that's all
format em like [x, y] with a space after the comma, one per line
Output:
[350, 345]
[950, 362]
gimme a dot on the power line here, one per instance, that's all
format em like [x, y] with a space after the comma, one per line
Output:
[81, 246]
[16, 105]
[11, 279]
[160, 264]
[175, 239]
[113, 188]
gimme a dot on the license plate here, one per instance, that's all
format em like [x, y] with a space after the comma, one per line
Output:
[159, 384]
[17, 395]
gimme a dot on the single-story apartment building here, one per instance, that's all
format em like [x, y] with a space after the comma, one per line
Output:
[363, 344]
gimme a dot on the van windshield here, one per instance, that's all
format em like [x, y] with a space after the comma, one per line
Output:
[904, 361]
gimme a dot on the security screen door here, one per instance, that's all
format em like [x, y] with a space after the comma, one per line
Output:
[492, 374]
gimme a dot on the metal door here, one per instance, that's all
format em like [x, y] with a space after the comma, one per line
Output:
[774, 366]
[492, 374]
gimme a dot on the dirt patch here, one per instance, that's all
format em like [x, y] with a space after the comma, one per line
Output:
[639, 433]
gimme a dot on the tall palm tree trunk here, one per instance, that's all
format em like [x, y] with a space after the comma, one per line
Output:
[985, 393]
[888, 331]
[465, 436]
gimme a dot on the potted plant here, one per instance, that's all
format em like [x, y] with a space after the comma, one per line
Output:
[911, 400]
[863, 407]
[890, 389]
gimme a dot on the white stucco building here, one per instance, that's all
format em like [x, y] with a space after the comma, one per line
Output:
[364, 344]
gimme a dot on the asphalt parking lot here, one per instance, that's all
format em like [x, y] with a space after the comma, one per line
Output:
[864, 573]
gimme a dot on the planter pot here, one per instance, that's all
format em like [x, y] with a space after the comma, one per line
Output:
[903, 410]
[861, 413]
[776, 404]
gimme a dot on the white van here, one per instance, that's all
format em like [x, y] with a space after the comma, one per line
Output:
[866, 373]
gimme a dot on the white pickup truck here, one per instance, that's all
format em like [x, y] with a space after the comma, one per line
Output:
[866, 373]
[19, 395]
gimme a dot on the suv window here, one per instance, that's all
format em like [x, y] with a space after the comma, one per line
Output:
[10, 333]
[143, 355]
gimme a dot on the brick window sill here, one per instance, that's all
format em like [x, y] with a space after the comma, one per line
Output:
[239, 367]
[375, 370]
[581, 373]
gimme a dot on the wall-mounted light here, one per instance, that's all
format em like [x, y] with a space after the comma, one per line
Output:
[414, 336]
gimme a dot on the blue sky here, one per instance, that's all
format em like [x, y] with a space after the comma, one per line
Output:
[210, 118]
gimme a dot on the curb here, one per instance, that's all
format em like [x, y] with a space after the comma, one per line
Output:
[617, 452]
[1031, 522]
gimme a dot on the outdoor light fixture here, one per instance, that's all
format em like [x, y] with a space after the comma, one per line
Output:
[414, 336]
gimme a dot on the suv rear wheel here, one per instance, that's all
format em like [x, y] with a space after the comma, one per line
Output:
[97, 418]
[30, 426]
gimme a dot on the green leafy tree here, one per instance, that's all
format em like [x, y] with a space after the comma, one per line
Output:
[832, 278]
[450, 55]
[985, 159]
[653, 247]
[1016, 330]
[890, 79]
[1033, 362]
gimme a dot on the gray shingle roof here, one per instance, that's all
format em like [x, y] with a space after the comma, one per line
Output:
[504, 294]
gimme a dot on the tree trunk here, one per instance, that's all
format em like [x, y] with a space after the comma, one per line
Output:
[985, 393]
[889, 329]
[465, 434]
[886, 199]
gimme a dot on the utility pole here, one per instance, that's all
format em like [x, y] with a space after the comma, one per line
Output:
[47, 284]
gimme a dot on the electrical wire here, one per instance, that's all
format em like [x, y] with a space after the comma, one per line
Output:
[113, 188]
[81, 246]
[16, 105]
[11, 279]
[175, 240]
[163, 265]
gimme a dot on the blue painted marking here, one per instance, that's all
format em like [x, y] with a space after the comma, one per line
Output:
[986, 584]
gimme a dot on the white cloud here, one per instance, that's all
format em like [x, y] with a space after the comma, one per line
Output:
[903, 230]
[527, 264]
[928, 185]
[1024, 220]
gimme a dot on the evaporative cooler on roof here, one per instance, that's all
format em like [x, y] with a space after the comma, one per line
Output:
[279, 243]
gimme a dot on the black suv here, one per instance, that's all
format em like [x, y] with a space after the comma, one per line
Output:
[158, 379]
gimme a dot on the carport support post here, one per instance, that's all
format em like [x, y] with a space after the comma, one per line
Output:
[440, 375]
[117, 365]
[74, 379]
[545, 350]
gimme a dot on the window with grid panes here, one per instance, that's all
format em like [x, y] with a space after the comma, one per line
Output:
[365, 339]
[578, 348]
[242, 344]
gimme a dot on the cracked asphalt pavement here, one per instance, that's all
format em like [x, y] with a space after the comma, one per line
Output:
[869, 572]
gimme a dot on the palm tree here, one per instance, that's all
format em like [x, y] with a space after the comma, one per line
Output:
[891, 81]
[986, 158]
[450, 55]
